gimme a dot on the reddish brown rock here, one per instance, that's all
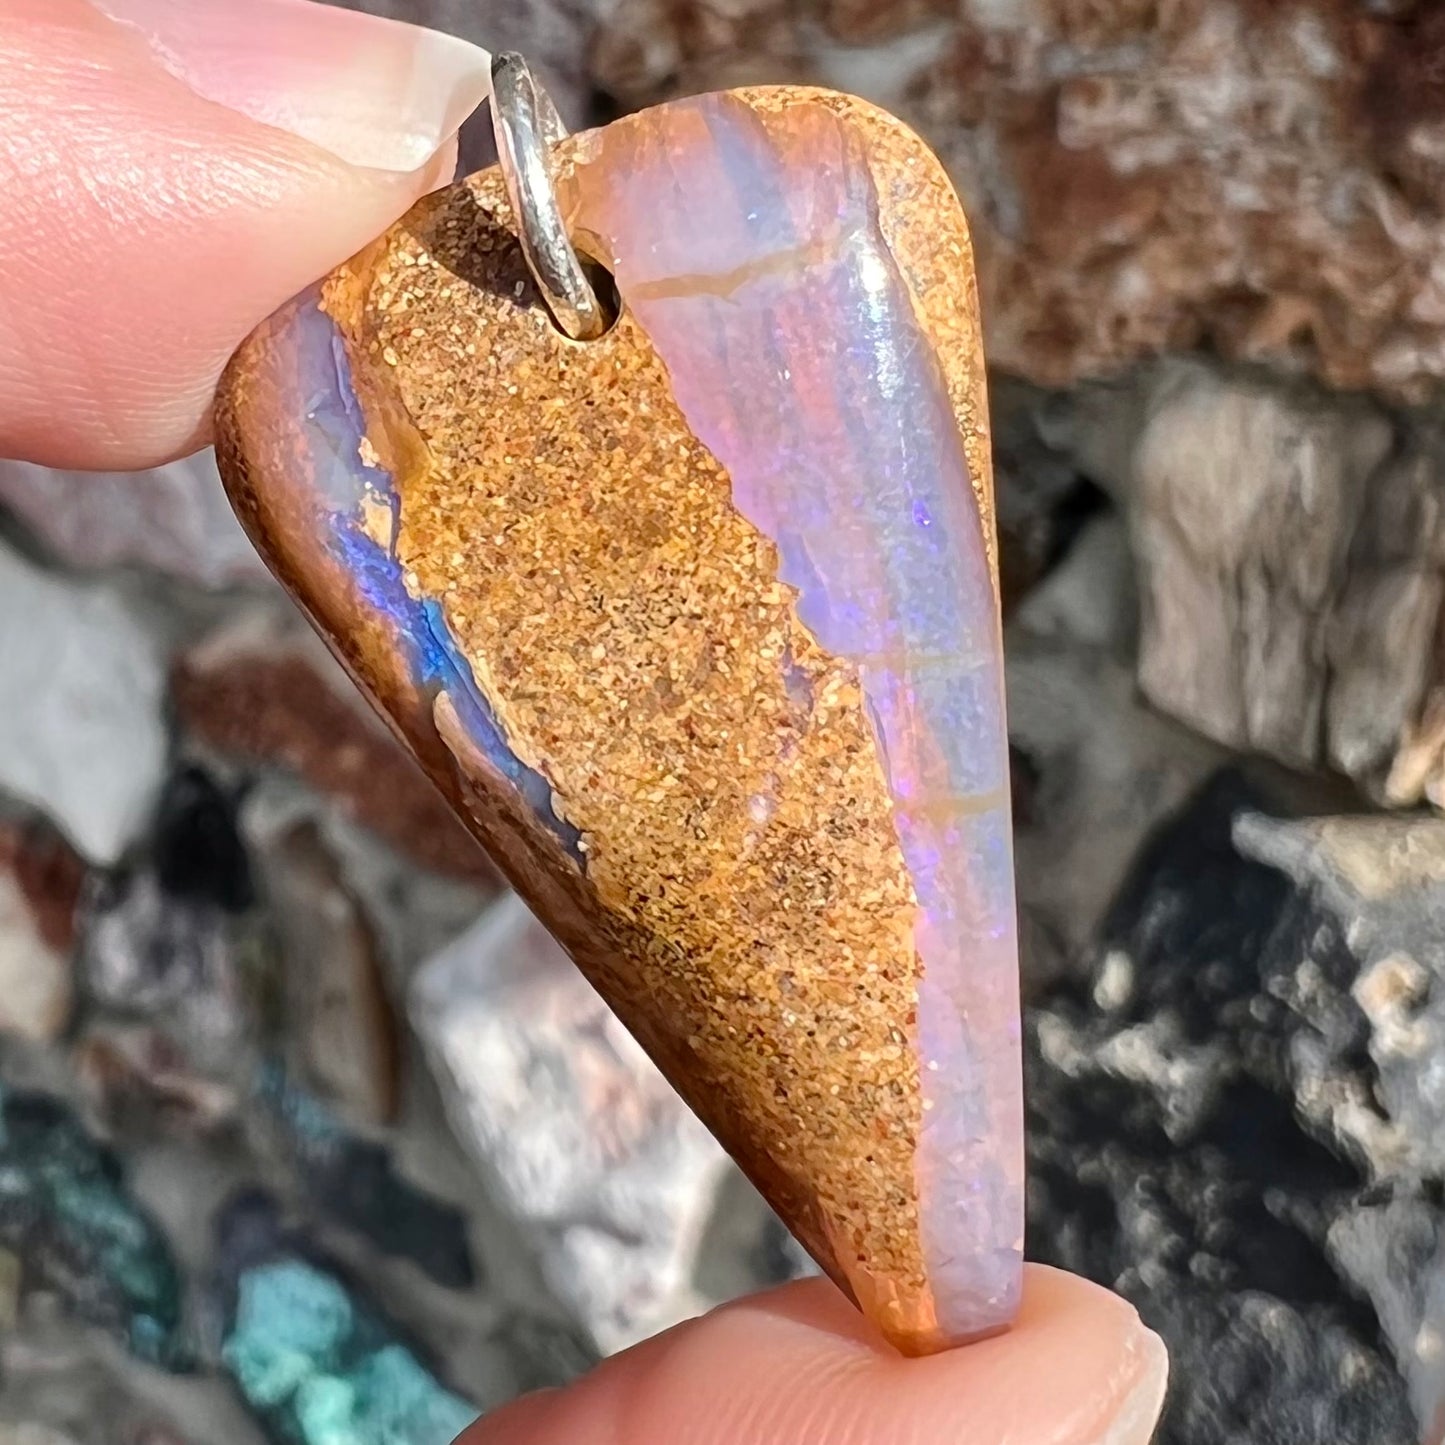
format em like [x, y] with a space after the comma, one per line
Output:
[1259, 178]
[40, 882]
[264, 690]
[49, 876]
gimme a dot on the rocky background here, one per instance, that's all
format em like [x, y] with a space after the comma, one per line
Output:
[308, 1134]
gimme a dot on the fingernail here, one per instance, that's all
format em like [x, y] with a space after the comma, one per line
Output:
[1141, 1394]
[374, 92]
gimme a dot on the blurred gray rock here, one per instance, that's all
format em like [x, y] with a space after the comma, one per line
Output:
[1380, 884]
[1238, 1120]
[174, 937]
[1290, 546]
[81, 732]
[746, 1246]
[175, 519]
[65, 1382]
[1095, 768]
[137, 1080]
[1393, 1247]
[609, 1173]
[1248, 500]
[1089, 597]
[341, 1033]
[411, 910]
[1369, 983]
[1041, 496]
[146, 954]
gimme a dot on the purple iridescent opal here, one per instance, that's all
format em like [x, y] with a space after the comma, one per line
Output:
[754, 257]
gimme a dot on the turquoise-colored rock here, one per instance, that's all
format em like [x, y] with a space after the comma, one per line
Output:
[320, 1368]
[66, 1213]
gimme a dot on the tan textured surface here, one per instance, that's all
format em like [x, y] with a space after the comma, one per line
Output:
[627, 627]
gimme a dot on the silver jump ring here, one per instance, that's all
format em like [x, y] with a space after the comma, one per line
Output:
[527, 127]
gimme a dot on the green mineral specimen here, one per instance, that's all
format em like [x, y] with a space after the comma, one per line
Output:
[320, 1368]
[66, 1215]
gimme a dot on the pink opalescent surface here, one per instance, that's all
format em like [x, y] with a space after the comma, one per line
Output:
[749, 247]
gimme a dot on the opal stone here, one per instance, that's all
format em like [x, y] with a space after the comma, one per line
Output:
[697, 627]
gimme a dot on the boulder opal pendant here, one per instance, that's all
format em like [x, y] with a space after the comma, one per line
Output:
[696, 624]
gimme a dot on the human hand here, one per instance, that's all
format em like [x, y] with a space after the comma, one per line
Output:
[800, 1366]
[171, 176]
[172, 171]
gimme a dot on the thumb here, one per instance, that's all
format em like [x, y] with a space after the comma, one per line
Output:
[799, 1366]
[173, 170]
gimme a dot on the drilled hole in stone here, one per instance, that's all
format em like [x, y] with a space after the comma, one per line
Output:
[605, 287]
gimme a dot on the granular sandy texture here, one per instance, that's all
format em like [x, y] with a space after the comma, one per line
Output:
[626, 625]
